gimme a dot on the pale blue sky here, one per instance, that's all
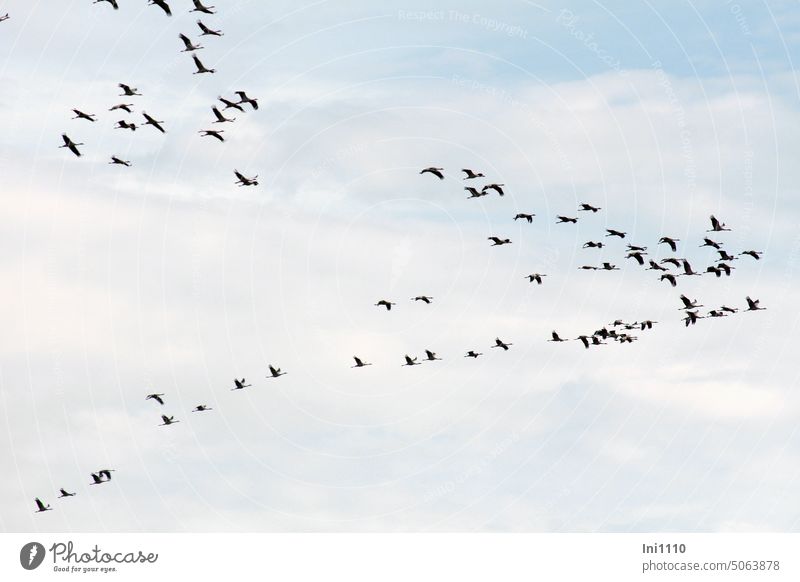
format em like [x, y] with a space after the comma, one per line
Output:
[167, 277]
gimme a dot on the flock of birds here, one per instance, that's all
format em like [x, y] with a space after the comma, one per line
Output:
[618, 329]
[238, 103]
[241, 102]
[670, 268]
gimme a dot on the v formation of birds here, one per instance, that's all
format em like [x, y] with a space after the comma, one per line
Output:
[670, 269]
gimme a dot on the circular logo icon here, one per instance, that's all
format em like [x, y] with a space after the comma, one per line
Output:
[31, 555]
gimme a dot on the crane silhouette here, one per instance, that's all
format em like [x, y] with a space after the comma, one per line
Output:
[81, 115]
[275, 372]
[208, 31]
[498, 343]
[360, 363]
[470, 175]
[161, 4]
[239, 384]
[201, 68]
[435, 171]
[41, 507]
[198, 7]
[128, 91]
[187, 43]
[216, 133]
[243, 98]
[71, 145]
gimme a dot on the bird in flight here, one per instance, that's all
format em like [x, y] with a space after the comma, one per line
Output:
[496, 187]
[565, 219]
[122, 124]
[669, 241]
[496, 242]
[474, 192]
[588, 207]
[669, 277]
[385, 303]
[68, 143]
[208, 31]
[755, 254]
[535, 277]
[119, 161]
[716, 225]
[187, 42]
[167, 420]
[198, 7]
[128, 91]
[471, 175]
[435, 171]
[431, 356]
[4, 17]
[636, 255]
[707, 242]
[220, 117]
[155, 123]
[97, 479]
[655, 266]
[618, 233]
[609, 267]
[156, 397]
[635, 248]
[752, 304]
[239, 384]
[161, 4]
[123, 106]
[687, 268]
[555, 338]
[112, 2]
[498, 343]
[106, 473]
[473, 354]
[243, 98]
[593, 245]
[41, 506]
[275, 372]
[81, 115]
[217, 133]
[691, 318]
[585, 340]
[243, 181]
[201, 408]
[230, 104]
[65, 493]
[424, 298]
[360, 363]
[528, 217]
[411, 361]
[688, 303]
[201, 68]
